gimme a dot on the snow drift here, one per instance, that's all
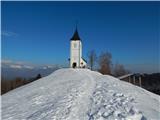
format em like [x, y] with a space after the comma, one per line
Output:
[80, 94]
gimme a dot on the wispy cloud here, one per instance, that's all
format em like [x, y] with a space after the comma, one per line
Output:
[8, 34]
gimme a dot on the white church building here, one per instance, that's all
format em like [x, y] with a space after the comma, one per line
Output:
[76, 60]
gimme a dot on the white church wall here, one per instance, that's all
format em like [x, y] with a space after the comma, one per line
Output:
[84, 64]
[76, 59]
[75, 52]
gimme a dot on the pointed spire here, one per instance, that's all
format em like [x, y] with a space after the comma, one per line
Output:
[75, 35]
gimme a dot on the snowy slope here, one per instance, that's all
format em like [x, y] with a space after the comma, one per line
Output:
[80, 94]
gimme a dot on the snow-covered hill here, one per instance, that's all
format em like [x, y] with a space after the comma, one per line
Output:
[80, 94]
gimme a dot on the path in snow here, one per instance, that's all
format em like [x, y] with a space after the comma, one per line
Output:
[79, 94]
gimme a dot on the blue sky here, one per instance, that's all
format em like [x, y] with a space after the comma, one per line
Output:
[40, 32]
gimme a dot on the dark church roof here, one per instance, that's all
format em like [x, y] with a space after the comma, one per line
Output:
[75, 35]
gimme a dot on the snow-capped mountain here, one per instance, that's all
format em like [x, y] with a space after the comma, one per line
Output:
[80, 94]
[13, 69]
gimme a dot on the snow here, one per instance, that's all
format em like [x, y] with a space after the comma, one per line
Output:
[80, 94]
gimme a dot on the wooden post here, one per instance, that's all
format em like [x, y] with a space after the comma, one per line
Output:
[129, 79]
[140, 81]
[134, 80]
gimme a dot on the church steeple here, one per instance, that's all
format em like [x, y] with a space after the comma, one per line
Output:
[75, 35]
[76, 60]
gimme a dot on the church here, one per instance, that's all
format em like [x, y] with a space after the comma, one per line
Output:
[76, 60]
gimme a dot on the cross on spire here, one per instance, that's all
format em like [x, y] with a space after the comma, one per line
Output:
[76, 24]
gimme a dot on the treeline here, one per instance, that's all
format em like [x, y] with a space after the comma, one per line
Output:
[103, 63]
[7, 85]
[151, 82]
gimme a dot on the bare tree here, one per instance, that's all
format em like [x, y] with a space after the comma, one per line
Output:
[38, 77]
[92, 58]
[105, 62]
[120, 70]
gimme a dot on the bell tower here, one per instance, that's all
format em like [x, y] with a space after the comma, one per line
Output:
[75, 50]
[76, 60]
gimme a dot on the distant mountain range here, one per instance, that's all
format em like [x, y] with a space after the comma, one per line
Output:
[12, 69]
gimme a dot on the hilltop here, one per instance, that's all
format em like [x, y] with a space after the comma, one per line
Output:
[80, 94]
